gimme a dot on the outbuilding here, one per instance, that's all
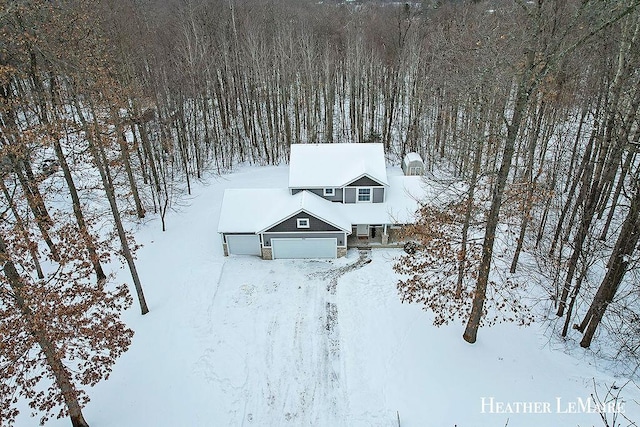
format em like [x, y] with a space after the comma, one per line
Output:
[412, 164]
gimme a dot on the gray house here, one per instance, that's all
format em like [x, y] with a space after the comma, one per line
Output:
[339, 195]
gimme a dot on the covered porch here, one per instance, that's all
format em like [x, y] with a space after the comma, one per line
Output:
[375, 235]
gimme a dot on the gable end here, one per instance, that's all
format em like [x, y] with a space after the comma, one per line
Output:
[364, 181]
[291, 224]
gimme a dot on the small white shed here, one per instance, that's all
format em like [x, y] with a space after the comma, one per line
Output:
[412, 164]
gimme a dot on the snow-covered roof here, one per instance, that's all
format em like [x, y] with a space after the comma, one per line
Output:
[252, 210]
[311, 204]
[412, 157]
[243, 210]
[256, 210]
[335, 165]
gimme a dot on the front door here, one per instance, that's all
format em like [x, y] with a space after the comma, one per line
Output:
[362, 230]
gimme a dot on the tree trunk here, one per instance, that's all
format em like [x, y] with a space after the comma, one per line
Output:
[584, 174]
[36, 204]
[477, 307]
[462, 258]
[77, 211]
[21, 167]
[531, 184]
[615, 144]
[574, 151]
[616, 195]
[151, 160]
[126, 161]
[102, 165]
[578, 243]
[33, 247]
[616, 269]
[574, 297]
[59, 371]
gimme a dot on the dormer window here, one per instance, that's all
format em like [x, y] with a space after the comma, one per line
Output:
[329, 191]
[364, 195]
[303, 222]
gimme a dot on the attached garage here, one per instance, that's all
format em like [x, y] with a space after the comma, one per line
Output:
[243, 244]
[304, 248]
[274, 224]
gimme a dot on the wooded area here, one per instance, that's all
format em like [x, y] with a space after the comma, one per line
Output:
[532, 107]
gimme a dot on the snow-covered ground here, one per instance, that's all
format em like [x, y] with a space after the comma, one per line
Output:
[240, 341]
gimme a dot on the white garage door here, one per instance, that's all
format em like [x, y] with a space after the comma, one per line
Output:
[304, 248]
[243, 244]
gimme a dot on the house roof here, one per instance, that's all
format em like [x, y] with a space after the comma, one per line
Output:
[243, 209]
[312, 204]
[253, 210]
[256, 210]
[335, 165]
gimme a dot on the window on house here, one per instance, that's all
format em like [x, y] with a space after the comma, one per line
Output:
[329, 191]
[303, 222]
[364, 194]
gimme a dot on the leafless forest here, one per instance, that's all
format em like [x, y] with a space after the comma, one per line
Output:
[531, 107]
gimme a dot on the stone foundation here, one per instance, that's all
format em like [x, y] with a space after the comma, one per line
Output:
[267, 253]
[342, 252]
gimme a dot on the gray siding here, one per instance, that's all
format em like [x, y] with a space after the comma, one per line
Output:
[336, 198]
[341, 237]
[365, 181]
[378, 195]
[291, 224]
[349, 195]
[320, 192]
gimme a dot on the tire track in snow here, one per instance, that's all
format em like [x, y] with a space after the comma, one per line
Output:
[271, 343]
[334, 383]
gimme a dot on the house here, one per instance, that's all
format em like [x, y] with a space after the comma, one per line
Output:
[339, 196]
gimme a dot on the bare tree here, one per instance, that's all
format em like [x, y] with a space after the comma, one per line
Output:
[616, 269]
[95, 140]
[541, 60]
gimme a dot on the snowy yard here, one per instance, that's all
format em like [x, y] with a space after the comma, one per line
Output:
[242, 341]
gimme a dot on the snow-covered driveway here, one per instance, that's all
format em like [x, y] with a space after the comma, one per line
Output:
[273, 355]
